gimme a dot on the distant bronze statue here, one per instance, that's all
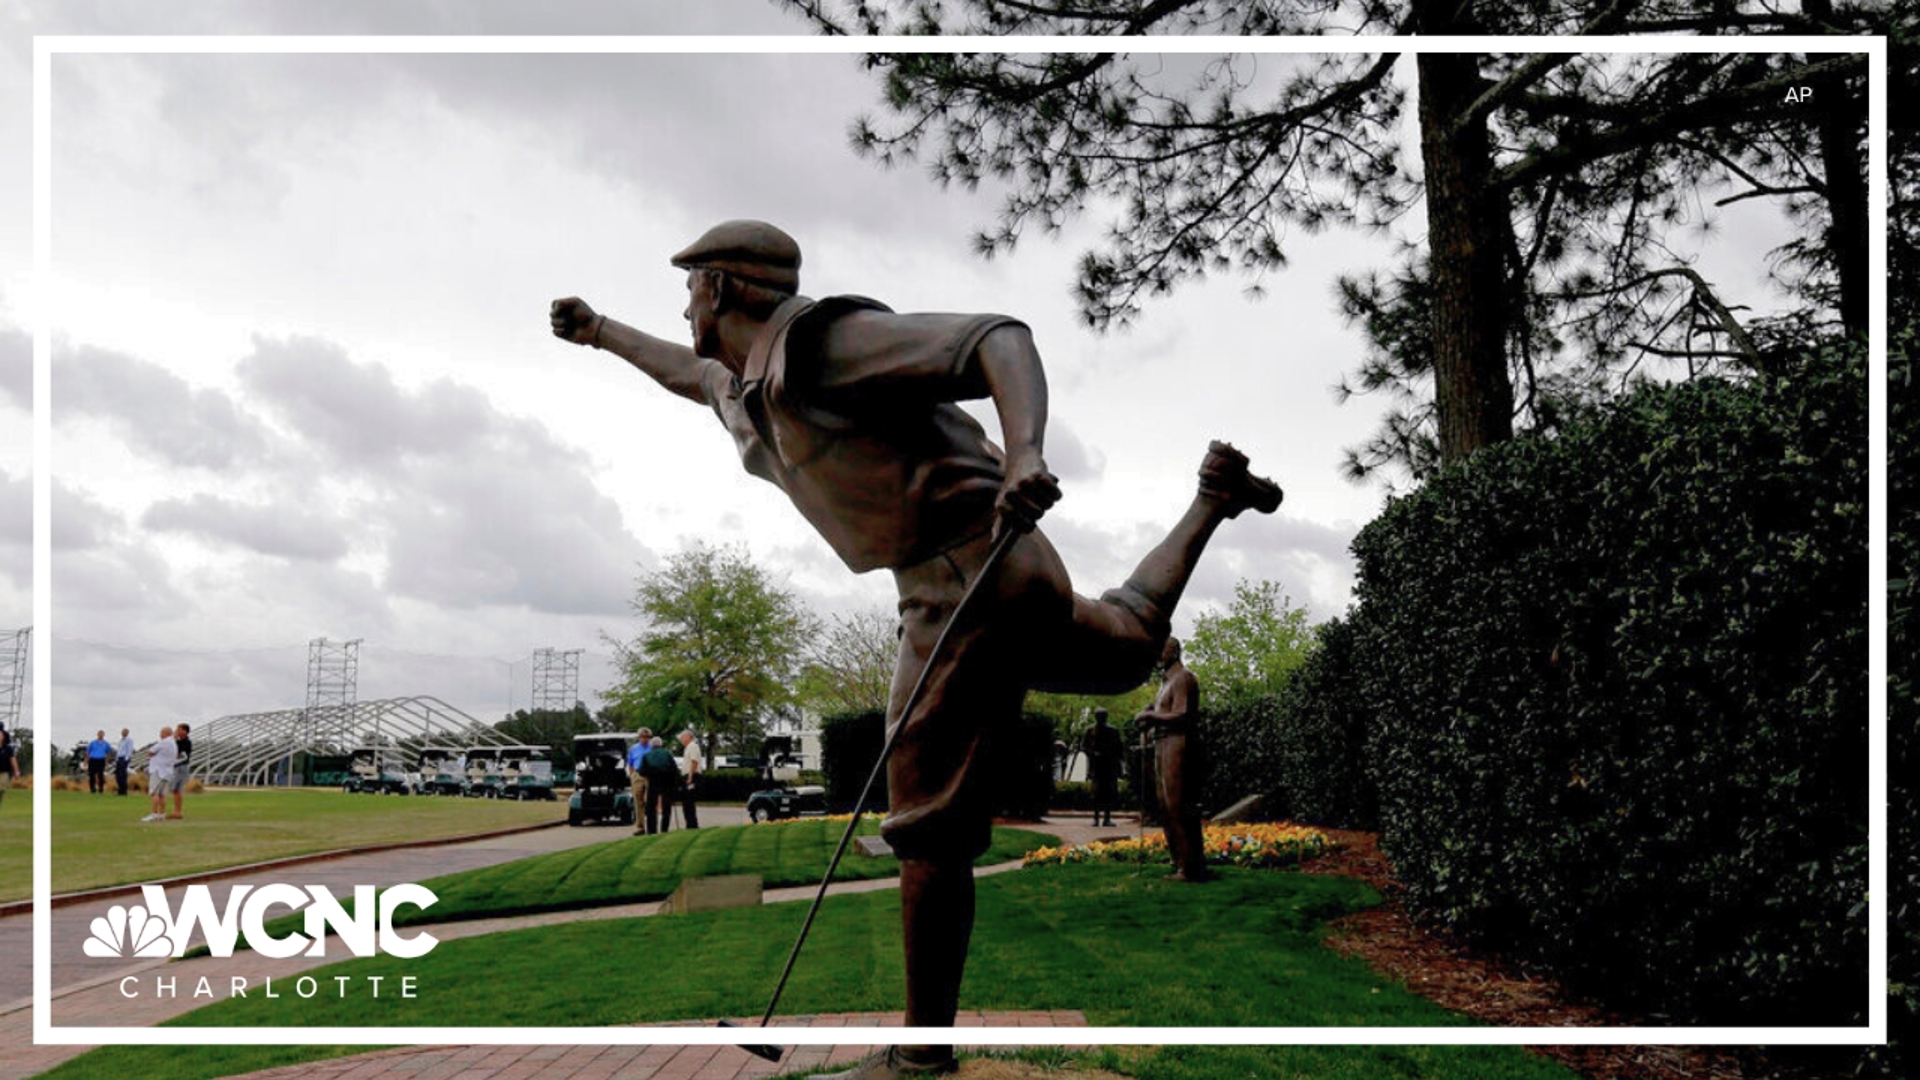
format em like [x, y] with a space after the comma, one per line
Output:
[850, 409]
[1103, 748]
[1171, 721]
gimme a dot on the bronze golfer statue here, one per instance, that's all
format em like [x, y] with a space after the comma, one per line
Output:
[1176, 755]
[850, 408]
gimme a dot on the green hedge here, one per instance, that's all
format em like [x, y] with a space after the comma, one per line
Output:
[1903, 702]
[1078, 795]
[731, 785]
[849, 745]
[1616, 696]
[1320, 729]
[1020, 758]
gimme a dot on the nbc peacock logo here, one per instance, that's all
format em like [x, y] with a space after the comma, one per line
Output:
[124, 932]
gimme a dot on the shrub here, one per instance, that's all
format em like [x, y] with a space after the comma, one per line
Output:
[1078, 795]
[1239, 752]
[730, 785]
[1618, 709]
[1319, 736]
[849, 745]
[1019, 757]
[1020, 767]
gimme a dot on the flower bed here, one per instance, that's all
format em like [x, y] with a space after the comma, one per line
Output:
[1269, 846]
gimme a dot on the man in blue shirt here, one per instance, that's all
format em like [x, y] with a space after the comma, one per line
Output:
[635, 754]
[97, 751]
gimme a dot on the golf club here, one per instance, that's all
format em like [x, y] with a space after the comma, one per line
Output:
[1001, 546]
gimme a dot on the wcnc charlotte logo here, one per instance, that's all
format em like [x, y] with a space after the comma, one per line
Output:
[155, 930]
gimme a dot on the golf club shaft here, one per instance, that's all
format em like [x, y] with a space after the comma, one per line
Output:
[1000, 548]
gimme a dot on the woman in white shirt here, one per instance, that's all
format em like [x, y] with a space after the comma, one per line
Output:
[160, 762]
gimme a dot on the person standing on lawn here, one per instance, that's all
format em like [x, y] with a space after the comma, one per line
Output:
[852, 410]
[97, 752]
[182, 769]
[663, 776]
[692, 764]
[161, 757]
[1102, 746]
[9, 762]
[122, 760]
[1171, 721]
[636, 753]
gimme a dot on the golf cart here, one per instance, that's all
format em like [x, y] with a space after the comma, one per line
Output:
[526, 772]
[782, 757]
[441, 771]
[483, 773]
[601, 791]
[376, 770]
[806, 800]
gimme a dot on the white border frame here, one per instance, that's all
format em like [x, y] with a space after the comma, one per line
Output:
[45, 48]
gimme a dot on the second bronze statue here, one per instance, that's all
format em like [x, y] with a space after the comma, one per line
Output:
[851, 409]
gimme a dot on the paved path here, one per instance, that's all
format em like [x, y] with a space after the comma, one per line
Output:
[658, 1062]
[88, 991]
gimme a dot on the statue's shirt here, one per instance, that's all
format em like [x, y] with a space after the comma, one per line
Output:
[849, 408]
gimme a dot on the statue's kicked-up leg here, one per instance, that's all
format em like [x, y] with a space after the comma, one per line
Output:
[1114, 641]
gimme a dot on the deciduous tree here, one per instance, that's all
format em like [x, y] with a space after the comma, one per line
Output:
[719, 648]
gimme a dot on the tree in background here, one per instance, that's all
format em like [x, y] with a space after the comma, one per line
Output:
[1251, 649]
[848, 666]
[719, 649]
[554, 728]
[1551, 184]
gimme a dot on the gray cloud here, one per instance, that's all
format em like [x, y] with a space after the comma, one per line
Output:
[16, 368]
[81, 523]
[355, 413]
[16, 529]
[154, 410]
[411, 17]
[108, 585]
[758, 115]
[270, 530]
[479, 507]
[514, 523]
[1069, 457]
[100, 570]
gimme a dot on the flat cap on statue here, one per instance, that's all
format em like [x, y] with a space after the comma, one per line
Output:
[749, 250]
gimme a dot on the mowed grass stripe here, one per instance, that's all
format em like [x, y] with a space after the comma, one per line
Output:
[1245, 949]
[640, 868]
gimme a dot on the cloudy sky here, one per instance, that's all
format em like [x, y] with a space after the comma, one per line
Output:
[304, 385]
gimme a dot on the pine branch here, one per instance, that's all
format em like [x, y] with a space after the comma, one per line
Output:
[1715, 110]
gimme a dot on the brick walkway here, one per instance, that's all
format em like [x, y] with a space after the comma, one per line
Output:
[661, 1061]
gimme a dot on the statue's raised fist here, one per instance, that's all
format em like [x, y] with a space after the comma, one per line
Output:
[574, 321]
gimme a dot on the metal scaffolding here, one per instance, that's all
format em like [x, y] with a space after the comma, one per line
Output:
[13, 675]
[268, 748]
[333, 681]
[556, 679]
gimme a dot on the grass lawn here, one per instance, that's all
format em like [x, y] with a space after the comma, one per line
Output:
[651, 867]
[1118, 942]
[16, 845]
[99, 839]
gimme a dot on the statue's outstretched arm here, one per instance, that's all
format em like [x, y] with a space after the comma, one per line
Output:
[670, 364]
[1011, 367]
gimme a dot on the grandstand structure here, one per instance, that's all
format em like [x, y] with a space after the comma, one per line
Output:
[13, 675]
[283, 746]
[313, 743]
